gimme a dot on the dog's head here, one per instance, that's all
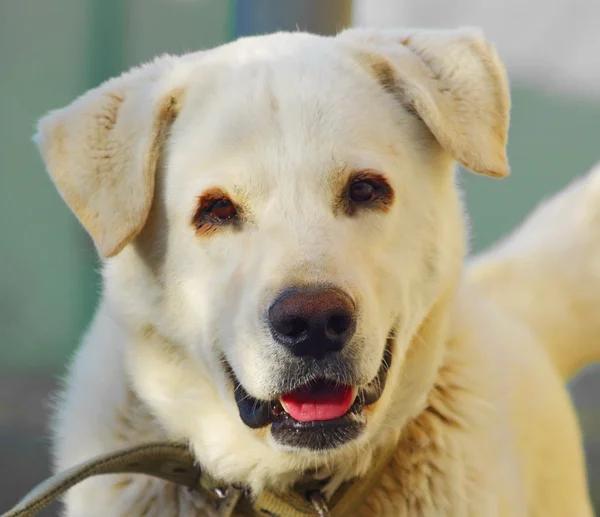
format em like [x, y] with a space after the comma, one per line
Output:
[282, 230]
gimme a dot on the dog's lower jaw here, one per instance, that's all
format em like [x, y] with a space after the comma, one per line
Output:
[295, 469]
[323, 434]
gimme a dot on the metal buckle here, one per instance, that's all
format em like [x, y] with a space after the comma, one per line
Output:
[227, 500]
[319, 503]
[221, 493]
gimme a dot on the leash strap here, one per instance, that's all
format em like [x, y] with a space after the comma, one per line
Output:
[174, 463]
[168, 461]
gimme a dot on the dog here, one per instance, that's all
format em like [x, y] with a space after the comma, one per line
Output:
[285, 286]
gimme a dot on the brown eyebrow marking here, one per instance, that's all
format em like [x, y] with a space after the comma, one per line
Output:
[384, 74]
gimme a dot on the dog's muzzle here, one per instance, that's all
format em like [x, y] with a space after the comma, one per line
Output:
[321, 414]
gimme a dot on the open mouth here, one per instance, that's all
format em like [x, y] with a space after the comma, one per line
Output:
[320, 415]
[320, 401]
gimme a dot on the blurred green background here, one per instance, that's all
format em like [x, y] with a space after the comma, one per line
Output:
[50, 52]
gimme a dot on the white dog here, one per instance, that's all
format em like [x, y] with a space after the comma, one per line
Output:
[284, 286]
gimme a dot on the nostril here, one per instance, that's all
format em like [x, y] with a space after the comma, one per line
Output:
[293, 327]
[338, 324]
[312, 321]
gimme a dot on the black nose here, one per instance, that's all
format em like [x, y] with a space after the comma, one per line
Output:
[313, 322]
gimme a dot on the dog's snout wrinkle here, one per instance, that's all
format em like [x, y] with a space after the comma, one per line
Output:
[313, 321]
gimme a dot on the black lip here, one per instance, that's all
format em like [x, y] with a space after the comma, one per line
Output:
[319, 435]
[253, 412]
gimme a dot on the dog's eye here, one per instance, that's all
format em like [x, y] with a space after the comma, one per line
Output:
[361, 191]
[215, 210]
[222, 209]
[367, 190]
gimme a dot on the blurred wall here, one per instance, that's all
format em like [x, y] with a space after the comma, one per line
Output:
[44, 262]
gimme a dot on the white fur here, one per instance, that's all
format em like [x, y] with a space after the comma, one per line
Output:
[280, 122]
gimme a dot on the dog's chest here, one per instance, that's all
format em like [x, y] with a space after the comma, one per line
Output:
[430, 475]
[445, 464]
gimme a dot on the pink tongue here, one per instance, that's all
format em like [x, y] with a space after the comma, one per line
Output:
[312, 405]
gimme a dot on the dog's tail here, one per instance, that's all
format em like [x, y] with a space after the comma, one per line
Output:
[547, 273]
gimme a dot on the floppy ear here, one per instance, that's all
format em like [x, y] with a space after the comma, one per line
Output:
[453, 80]
[102, 151]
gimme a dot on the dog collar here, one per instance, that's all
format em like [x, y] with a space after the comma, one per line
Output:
[175, 463]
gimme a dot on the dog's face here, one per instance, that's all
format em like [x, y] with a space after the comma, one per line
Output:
[291, 256]
[283, 219]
